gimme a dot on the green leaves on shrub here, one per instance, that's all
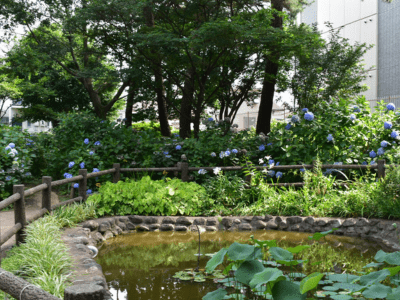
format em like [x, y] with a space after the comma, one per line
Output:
[150, 197]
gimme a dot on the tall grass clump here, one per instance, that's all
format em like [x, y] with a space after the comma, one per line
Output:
[43, 260]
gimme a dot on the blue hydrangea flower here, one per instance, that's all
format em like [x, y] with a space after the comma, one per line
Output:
[202, 171]
[102, 121]
[210, 119]
[390, 106]
[261, 148]
[309, 116]
[373, 162]
[353, 117]
[271, 173]
[278, 174]
[364, 163]
[304, 110]
[302, 170]
[269, 144]
[8, 178]
[168, 156]
[178, 147]
[91, 152]
[271, 161]
[234, 151]
[372, 154]
[71, 164]
[82, 165]
[222, 154]
[277, 164]
[356, 109]
[97, 143]
[88, 192]
[176, 135]
[67, 175]
[213, 154]
[384, 144]
[387, 125]
[165, 152]
[288, 126]
[381, 151]
[295, 119]
[95, 170]
[76, 185]
[8, 148]
[330, 138]
[86, 141]
[11, 145]
[394, 134]
[28, 174]
[227, 153]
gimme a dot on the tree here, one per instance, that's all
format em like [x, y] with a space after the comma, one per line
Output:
[329, 69]
[8, 90]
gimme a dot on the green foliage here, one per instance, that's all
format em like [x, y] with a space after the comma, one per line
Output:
[14, 168]
[149, 197]
[258, 280]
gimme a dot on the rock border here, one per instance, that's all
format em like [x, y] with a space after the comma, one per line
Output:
[93, 232]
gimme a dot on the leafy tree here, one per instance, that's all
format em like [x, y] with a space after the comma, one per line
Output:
[329, 69]
[8, 90]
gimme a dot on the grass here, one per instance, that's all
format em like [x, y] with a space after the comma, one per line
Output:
[44, 259]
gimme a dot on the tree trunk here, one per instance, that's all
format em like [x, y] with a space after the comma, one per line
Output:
[185, 115]
[198, 111]
[129, 105]
[269, 81]
[159, 87]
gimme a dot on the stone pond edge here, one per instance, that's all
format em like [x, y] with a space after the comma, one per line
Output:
[93, 232]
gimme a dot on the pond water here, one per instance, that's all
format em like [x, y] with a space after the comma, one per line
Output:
[141, 266]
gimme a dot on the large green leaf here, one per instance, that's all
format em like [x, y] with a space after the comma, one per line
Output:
[216, 260]
[380, 256]
[394, 295]
[342, 277]
[378, 290]
[374, 277]
[393, 258]
[247, 270]
[310, 282]
[394, 270]
[238, 251]
[268, 275]
[216, 295]
[348, 286]
[280, 254]
[286, 290]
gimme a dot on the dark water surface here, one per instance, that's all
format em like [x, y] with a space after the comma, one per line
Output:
[140, 266]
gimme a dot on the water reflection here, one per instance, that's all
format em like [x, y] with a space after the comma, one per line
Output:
[140, 266]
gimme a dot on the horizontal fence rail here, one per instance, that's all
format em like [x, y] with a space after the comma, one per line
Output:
[18, 199]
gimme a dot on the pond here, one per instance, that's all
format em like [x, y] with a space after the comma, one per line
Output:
[141, 266]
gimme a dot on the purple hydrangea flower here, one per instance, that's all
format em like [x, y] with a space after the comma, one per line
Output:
[178, 147]
[71, 164]
[305, 110]
[288, 126]
[234, 151]
[97, 143]
[67, 175]
[261, 148]
[227, 153]
[210, 119]
[278, 174]
[384, 144]
[372, 154]
[381, 151]
[76, 185]
[387, 125]
[86, 141]
[95, 170]
[309, 116]
[394, 134]
[88, 192]
[82, 165]
[390, 106]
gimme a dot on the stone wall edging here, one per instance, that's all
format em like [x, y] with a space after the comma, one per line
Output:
[93, 232]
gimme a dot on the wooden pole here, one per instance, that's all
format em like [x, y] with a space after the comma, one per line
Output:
[83, 184]
[117, 174]
[184, 171]
[381, 168]
[19, 213]
[46, 194]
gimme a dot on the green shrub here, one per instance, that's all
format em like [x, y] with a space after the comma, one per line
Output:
[150, 197]
[15, 159]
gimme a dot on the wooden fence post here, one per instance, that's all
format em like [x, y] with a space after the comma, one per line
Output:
[247, 178]
[83, 184]
[117, 174]
[19, 213]
[184, 171]
[46, 194]
[381, 168]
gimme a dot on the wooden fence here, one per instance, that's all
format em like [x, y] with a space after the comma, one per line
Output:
[18, 198]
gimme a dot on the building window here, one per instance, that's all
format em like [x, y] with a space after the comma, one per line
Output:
[29, 123]
[4, 120]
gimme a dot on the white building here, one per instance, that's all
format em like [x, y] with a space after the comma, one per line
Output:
[366, 21]
[14, 110]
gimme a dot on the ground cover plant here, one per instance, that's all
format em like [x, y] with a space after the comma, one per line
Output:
[43, 259]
